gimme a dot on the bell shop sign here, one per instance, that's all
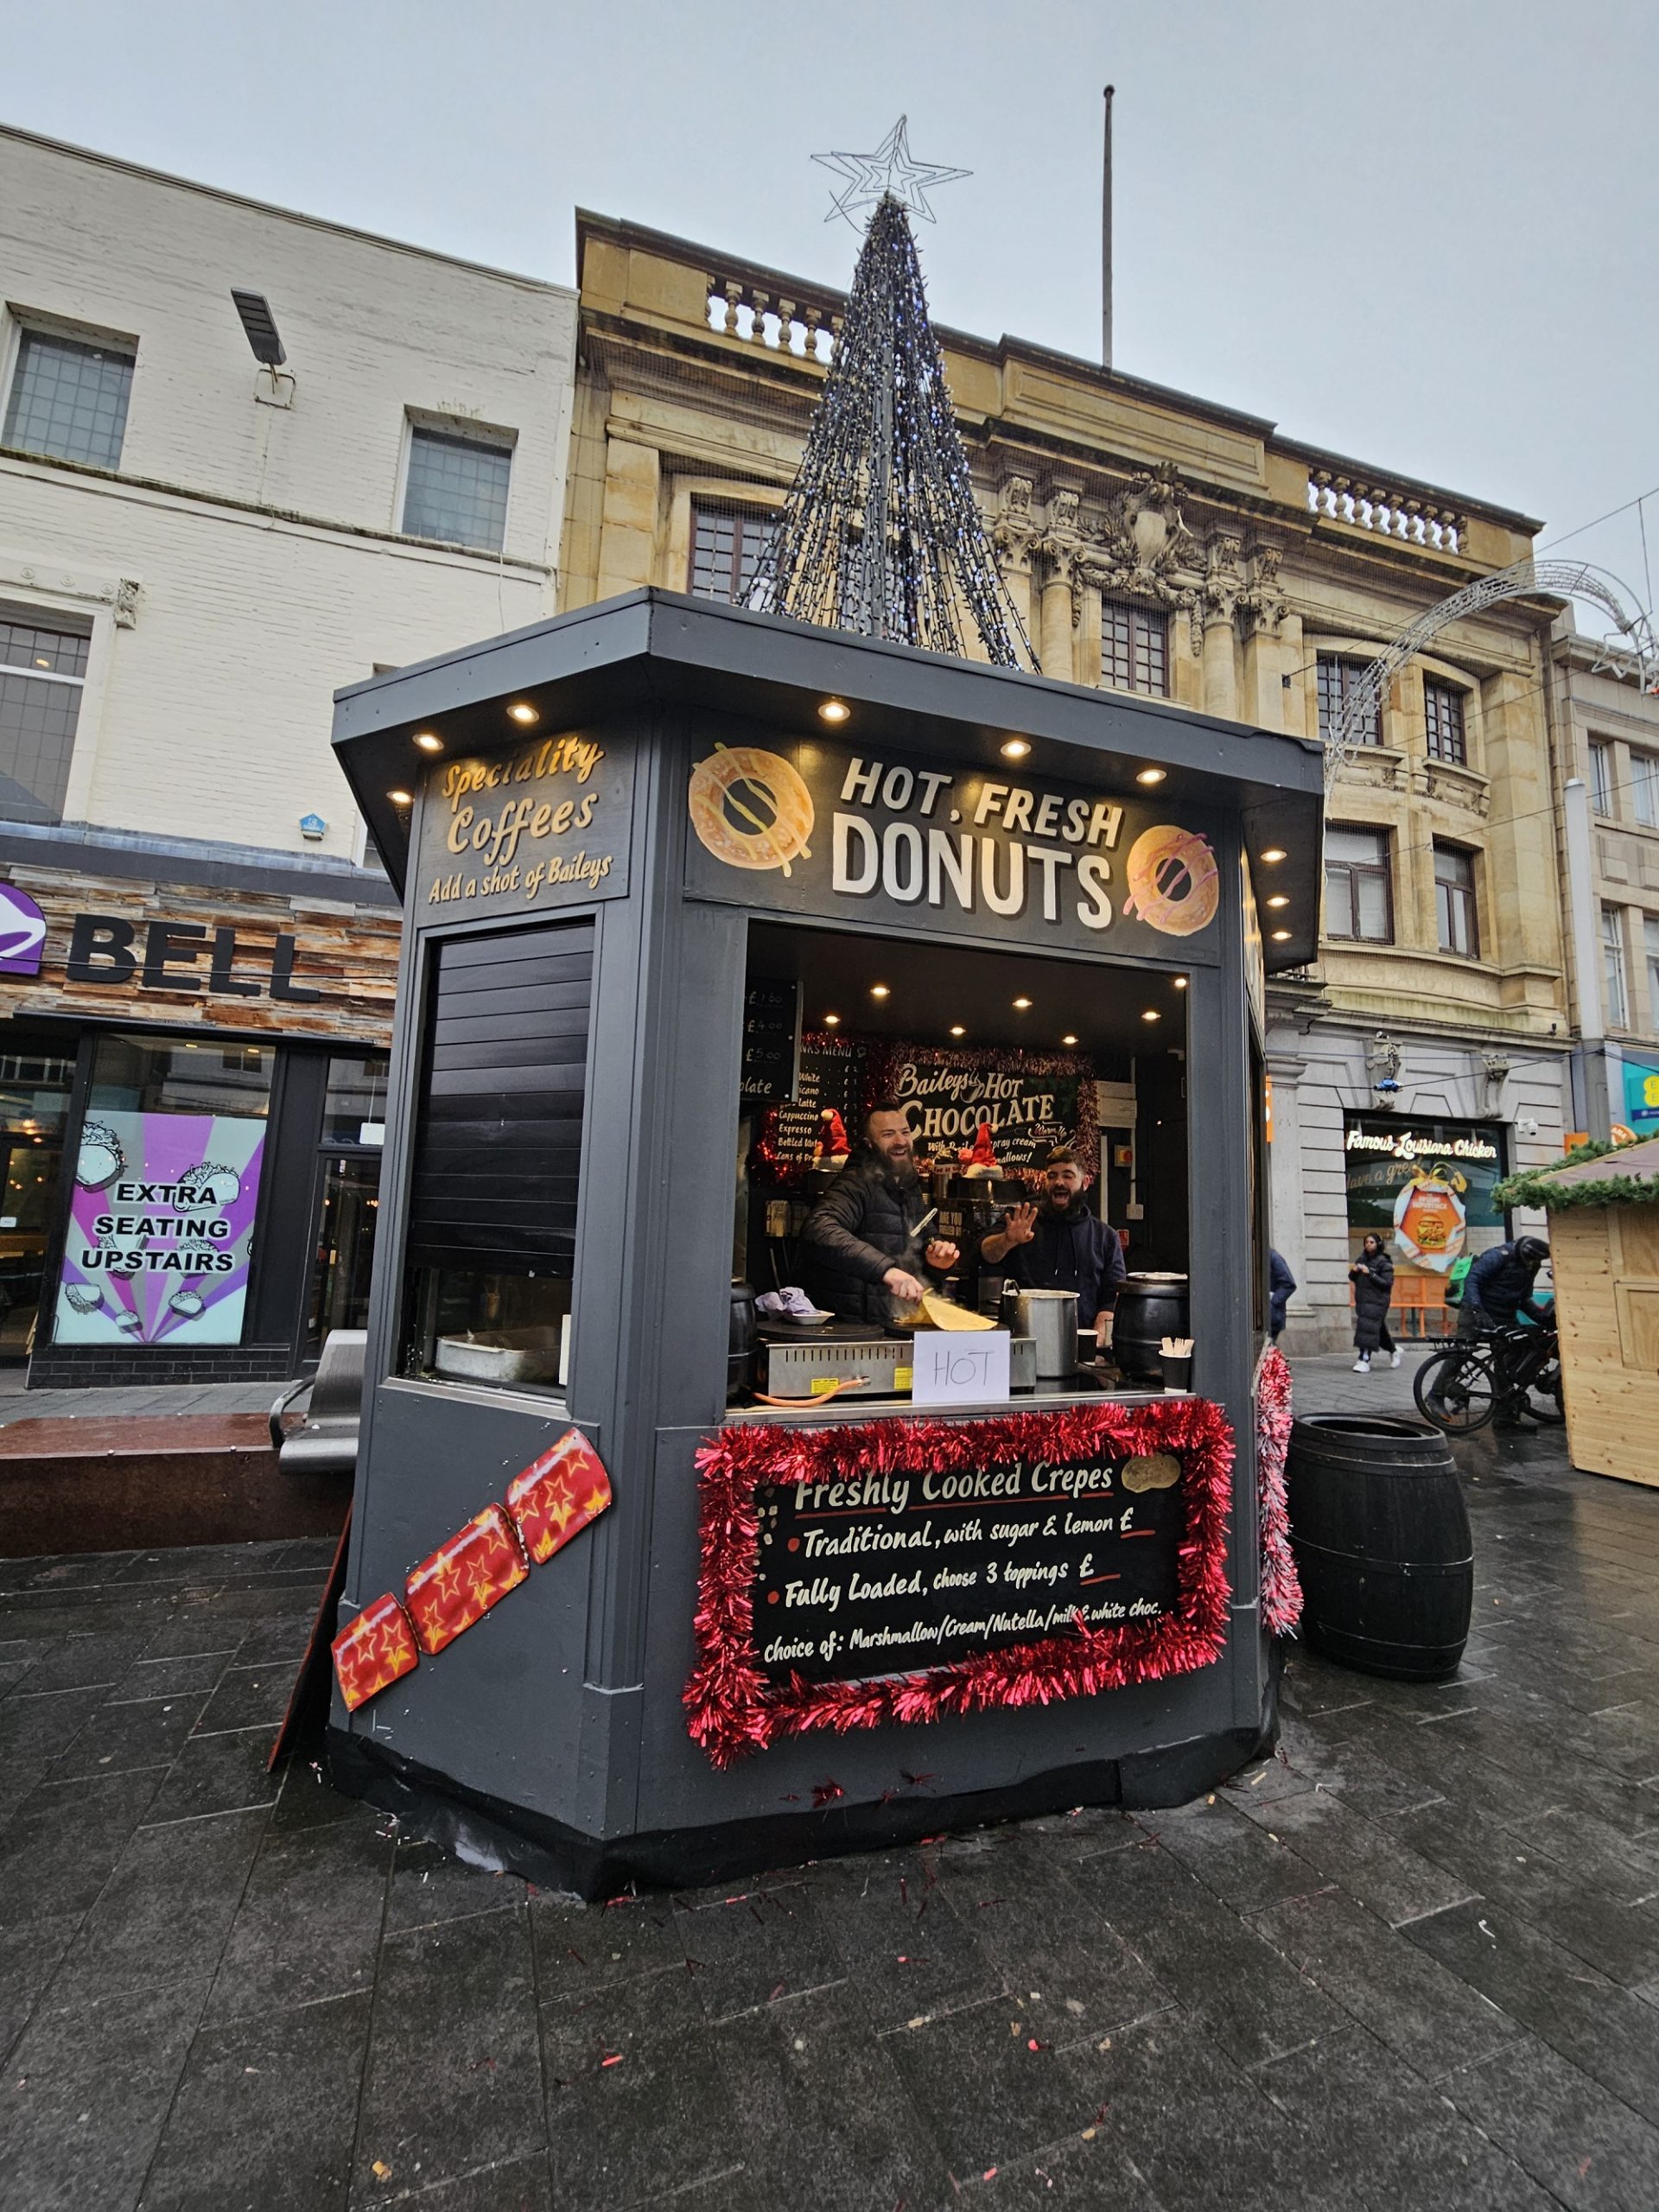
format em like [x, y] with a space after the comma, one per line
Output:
[545, 826]
[822, 829]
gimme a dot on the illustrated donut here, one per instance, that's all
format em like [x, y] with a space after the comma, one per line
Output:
[750, 809]
[1174, 884]
[1152, 1470]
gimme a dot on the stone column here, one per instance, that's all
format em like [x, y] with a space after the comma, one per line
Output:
[1220, 681]
[1088, 659]
[1056, 648]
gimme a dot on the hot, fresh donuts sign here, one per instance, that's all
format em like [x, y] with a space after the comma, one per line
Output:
[823, 829]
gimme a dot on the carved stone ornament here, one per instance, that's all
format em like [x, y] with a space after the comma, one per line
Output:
[1144, 548]
[1014, 529]
[1261, 605]
[126, 603]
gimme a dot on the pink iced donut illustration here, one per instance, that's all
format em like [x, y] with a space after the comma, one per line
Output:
[1173, 883]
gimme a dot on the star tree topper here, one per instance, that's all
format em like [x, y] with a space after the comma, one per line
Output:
[888, 173]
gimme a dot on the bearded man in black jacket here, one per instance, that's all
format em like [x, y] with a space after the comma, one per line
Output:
[1061, 1245]
[861, 1249]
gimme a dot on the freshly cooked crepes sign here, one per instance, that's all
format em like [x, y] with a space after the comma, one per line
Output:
[824, 830]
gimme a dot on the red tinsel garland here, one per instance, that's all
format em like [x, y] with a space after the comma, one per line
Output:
[1281, 1586]
[733, 1709]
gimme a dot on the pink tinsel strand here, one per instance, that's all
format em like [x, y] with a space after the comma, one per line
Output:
[1281, 1586]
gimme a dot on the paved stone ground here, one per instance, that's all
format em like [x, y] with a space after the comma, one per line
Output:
[1413, 1960]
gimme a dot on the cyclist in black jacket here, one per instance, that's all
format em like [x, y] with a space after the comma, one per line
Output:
[1497, 1289]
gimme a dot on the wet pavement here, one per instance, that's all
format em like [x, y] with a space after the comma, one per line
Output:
[1411, 1960]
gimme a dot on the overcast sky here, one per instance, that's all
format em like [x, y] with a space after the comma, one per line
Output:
[1421, 232]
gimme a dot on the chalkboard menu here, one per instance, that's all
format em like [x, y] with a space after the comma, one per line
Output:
[771, 1037]
[1031, 1102]
[887, 1574]
[831, 1074]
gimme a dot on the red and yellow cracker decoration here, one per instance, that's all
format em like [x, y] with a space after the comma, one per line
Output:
[551, 1500]
[1173, 884]
[371, 1654]
[458, 1585]
[557, 1494]
[750, 809]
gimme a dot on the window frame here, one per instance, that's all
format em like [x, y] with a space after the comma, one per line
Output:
[1153, 618]
[1650, 954]
[1615, 968]
[494, 437]
[1444, 909]
[1644, 786]
[1342, 665]
[1603, 781]
[52, 622]
[763, 519]
[25, 326]
[1354, 870]
[1458, 698]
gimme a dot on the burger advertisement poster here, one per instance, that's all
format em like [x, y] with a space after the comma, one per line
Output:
[1424, 1187]
[161, 1227]
[836, 830]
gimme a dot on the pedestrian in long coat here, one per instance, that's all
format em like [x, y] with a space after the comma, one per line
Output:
[1372, 1276]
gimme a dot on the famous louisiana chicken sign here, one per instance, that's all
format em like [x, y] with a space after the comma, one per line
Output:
[824, 830]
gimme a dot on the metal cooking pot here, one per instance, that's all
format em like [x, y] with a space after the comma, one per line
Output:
[1050, 1318]
[1149, 1308]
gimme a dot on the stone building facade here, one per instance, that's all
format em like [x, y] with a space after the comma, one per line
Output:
[206, 528]
[1158, 542]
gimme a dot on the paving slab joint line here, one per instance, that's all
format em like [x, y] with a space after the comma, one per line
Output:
[770, 2003]
[455, 2181]
[1416, 1919]
[682, 2189]
[224, 1812]
[943, 2012]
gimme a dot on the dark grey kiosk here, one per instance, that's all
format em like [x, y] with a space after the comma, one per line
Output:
[610, 830]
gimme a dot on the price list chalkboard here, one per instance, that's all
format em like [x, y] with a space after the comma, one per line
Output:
[831, 1075]
[772, 1037]
[888, 1573]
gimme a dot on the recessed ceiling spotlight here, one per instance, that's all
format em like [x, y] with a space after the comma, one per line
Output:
[522, 711]
[1151, 775]
[429, 741]
[880, 991]
[1282, 936]
[832, 1021]
[1274, 853]
[1068, 1040]
[957, 1029]
[1152, 1015]
[401, 799]
[1021, 1005]
[833, 710]
[1180, 983]
[1016, 748]
[1279, 898]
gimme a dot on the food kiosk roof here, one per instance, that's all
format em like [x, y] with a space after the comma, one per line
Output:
[663, 647]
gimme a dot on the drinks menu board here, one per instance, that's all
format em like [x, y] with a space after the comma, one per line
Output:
[831, 1077]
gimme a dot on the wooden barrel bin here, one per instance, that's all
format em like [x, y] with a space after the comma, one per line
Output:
[1381, 1534]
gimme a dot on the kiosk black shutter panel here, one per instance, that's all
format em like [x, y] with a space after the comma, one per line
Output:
[505, 1076]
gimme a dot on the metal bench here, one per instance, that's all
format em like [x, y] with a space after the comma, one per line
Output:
[326, 1440]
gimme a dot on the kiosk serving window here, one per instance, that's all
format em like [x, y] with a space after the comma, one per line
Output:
[491, 1250]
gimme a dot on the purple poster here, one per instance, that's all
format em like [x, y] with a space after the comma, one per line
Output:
[161, 1224]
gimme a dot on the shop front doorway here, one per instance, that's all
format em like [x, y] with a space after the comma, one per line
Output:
[34, 1104]
[345, 1262]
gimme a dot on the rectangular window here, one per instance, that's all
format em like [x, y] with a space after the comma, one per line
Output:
[1133, 649]
[1454, 901]
[457, 489]
[726, 549]
[1612, 968]
[1443, 716]
[69, 399]
[42, 673]
[498, 1148]
[1358, 892]
[1651, 947]
[1337, 680]
[1644, 788]
[1601, 776]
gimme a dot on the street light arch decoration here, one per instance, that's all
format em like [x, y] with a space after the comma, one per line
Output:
[1363, 704]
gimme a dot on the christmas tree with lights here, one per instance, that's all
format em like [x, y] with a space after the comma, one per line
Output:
[881, 534]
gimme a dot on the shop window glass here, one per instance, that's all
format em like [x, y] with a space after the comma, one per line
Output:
[1443, 718]
[33, 1106]
[492, 1200]
[1358, 900]
[69, 399]
[141, 1074]
[42, 673]
[1133, 649]
[1337, 679]
[1651, 947]
[726, 549]
[1612, 968]
[1644, 788]
[1601, 776]
[354, 1109]
[1454, 901]
[457, 490]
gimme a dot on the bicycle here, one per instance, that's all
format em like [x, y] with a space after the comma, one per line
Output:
[1476, 1379]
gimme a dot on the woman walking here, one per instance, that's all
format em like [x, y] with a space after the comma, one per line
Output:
[1372, 1276]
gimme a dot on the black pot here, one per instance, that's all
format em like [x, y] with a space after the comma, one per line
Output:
[740, 1342]
[1149, 1308]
